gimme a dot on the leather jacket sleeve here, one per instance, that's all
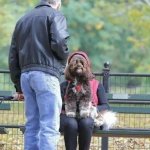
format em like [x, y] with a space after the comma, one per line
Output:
[59, 36]
[15, 71]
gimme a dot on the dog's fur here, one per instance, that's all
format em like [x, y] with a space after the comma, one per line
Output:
[78, 93]
[106, 118]
[81, 80]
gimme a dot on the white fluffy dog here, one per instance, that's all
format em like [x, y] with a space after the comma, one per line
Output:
[105, 118]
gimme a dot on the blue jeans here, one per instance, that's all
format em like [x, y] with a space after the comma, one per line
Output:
[42, 109]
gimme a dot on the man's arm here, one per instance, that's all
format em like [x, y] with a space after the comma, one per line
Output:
[59, 37]
[15, 71]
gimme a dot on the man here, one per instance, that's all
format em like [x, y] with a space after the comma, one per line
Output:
[37, 57]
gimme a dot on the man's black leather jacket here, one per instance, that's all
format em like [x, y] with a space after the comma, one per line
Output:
[39, 43]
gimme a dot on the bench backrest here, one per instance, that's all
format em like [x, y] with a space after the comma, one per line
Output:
[125, 103]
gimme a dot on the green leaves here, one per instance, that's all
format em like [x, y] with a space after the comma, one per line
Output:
[115, 31]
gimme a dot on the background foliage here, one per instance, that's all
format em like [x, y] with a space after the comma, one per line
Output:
[108, 30]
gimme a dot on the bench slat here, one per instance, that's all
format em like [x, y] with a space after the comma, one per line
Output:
[3, 130]
[133, 110]
[126, 96]
[5, 93]
[4, 106]
[122, 133]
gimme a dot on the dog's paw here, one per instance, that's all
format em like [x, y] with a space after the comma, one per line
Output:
[93, 112]
[71, 114]
[98, 123]
[84, 113]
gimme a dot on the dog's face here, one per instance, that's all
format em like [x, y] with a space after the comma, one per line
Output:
[78, 66]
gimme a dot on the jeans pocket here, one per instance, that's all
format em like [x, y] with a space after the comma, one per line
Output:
[52, 84]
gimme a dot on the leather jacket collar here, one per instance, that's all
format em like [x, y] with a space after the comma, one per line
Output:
[43, 4]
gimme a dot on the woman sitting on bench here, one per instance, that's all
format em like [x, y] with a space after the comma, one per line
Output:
[84, 103]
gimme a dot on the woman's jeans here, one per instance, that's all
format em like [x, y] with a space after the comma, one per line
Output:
[42, 109]
[73, 128]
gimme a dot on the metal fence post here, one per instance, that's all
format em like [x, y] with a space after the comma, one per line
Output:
[106, 76]
[104, 142]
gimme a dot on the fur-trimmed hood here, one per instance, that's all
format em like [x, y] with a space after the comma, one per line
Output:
[81, 53]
